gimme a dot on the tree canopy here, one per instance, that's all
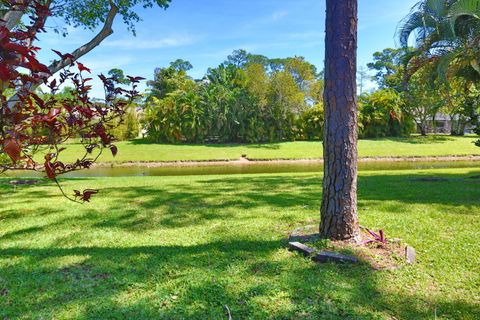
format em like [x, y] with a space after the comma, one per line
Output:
[90, 14]
[33, 126]
[241, 100]
[446, 35]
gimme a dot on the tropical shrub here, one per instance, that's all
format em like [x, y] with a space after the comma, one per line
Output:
[381, 115]
[310, 123]
[245, 99]
[128, 127]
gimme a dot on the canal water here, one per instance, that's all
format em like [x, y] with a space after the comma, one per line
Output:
[251, 168]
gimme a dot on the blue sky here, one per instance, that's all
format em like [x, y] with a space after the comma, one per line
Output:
[206, 31]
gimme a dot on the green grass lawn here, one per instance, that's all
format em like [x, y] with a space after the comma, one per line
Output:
[138, 150]
[186, 247]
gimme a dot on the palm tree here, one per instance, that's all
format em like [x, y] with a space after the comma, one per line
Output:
[447, 37]
[446, 32]
[339, 219]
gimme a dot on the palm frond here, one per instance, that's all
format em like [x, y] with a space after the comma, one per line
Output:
[436, 7]
[464, 8]
[412, 23]
[444, 65]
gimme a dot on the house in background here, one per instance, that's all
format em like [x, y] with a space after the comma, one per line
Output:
[445, 124]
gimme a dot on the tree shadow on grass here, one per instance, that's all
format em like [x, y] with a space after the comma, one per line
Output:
[141, 208]
[266, 146]
[198, 281]
[270, 146]
[256, 279]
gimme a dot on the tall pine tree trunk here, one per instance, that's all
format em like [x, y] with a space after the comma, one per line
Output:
[339, 219]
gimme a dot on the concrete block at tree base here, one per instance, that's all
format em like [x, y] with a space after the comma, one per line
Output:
[410, 255]
[300, 247]
[326, 256]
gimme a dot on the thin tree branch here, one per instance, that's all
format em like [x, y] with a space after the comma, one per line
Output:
[89, 46]
[14, 16]
[79, 52]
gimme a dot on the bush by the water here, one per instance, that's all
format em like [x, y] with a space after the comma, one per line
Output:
[250, 99]
[380, 115]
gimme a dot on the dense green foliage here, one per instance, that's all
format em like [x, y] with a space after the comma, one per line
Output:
[129, 127]
[90, 14]
[251, 98]
[186, 247]
[388, 67]
[381, 115]
[423, 94]
[248, 98]
[310, 124]
[446, 55]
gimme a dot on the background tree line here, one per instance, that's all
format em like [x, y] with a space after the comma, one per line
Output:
[248, 98]
[251, 98]
[442, 71]
[421, 91]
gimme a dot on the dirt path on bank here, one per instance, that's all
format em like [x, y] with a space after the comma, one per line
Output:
[246, 161]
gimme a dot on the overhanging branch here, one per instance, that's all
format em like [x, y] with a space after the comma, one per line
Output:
[13, 16]
[84, 49]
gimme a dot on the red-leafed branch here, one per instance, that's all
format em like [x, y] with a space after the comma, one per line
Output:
[33, 124]
[14, 15]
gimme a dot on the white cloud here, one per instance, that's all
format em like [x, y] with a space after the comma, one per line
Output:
[101, 64]
[168, 42]
[278, 15]
[270, 19]
[313, 35]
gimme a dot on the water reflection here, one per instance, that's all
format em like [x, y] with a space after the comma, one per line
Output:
[249, 168]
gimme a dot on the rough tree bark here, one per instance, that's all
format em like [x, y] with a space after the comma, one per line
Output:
[339, 219]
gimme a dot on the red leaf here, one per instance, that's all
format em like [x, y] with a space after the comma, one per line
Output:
[49, 170]
[114, 150]
[104, 136]
[36, 66]
[380, 237]
[59, 165]
[5, 73]
[58, 53]
[39, 100]
[65, 56]
[69, 56]
[135, 79]
[22, 50]
[85, 195]
[3, 33]
[52, 85]
[12, 148]
[90, 147]
[81, 67]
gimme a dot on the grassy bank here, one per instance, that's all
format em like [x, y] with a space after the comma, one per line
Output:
[139, 150]
[187, 247]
